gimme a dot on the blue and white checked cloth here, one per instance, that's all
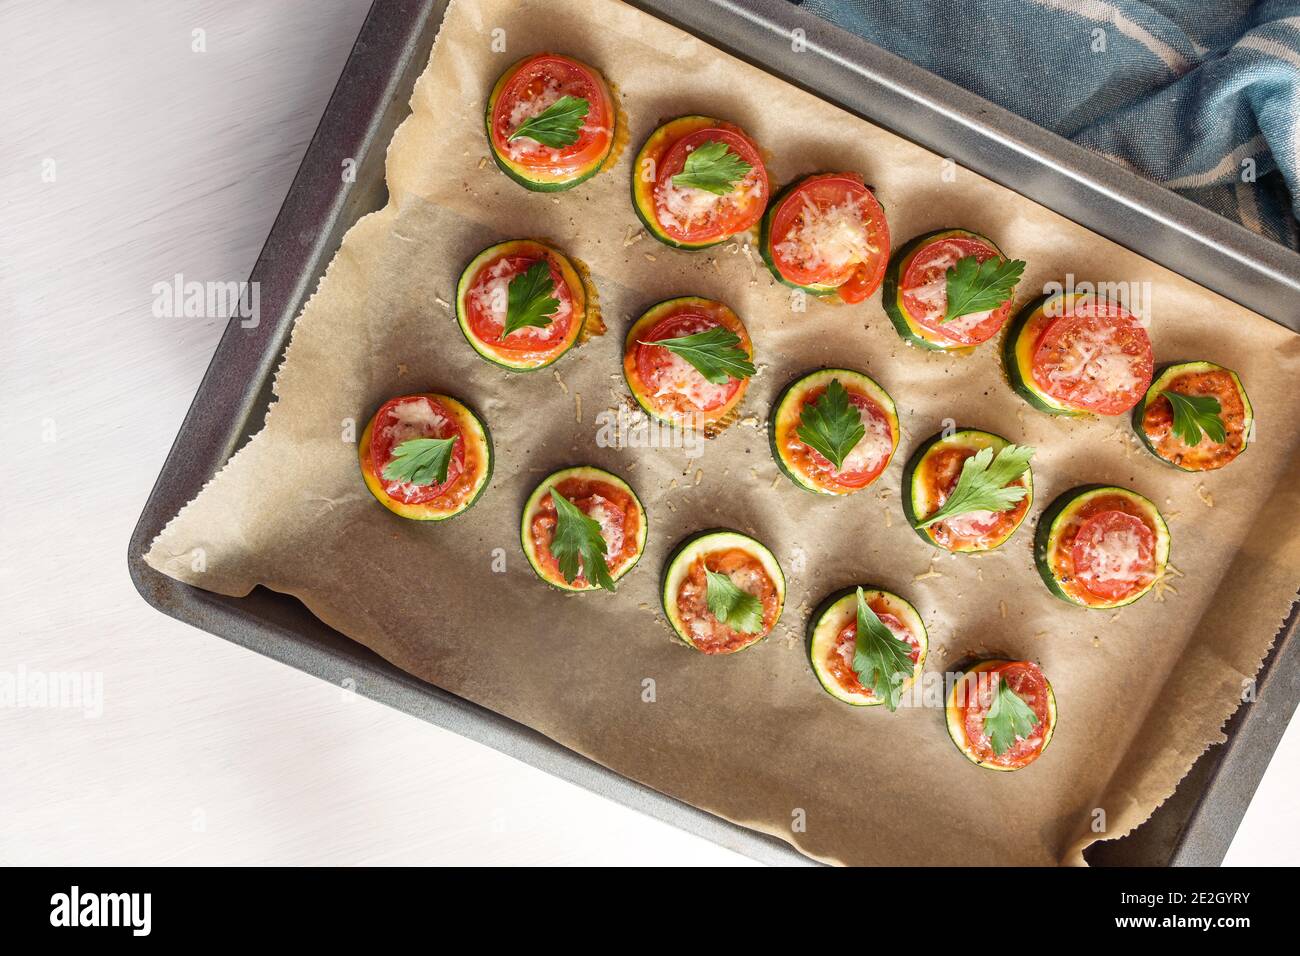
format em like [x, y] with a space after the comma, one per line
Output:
[1200, 95]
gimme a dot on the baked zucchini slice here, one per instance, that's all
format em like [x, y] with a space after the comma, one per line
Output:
[832, 637]
[687, 217]
[1100, 546]
[600, 495]
[1153, 417]
[575, 147]
[930, 476]
[691, 573]
[415, 418]
[809, 468]
[1075, 353]
[667, 386]
[968, 704]
[482, 304]
[915, 293]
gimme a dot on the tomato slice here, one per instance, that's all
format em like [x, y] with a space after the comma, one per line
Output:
[942, 472]
[612, 508]
[1028, 683]
[687, 214]
[868, 458]
[414, 416]
[924, 288]
[669, 378]
[1113, 554]
[488, 296]
[535, 86]
[830, 231]
[747, 572]
[839, 660]
[1094, 356]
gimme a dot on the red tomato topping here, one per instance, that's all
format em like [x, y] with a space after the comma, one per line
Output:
[687, 214]
[746, 572]
[1114, 554]
[839, 659]
[671, 381]
[976, 693]
[535, 86]
[488, 295]
[924, 287]
[414, 416]
[1094, 356]
[612, 507]
[941, 472]
[1158, 422]
[869, 457]
[830, 231]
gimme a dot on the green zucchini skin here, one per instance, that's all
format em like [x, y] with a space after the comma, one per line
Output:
[909, 473]
[891, 290]
[546, 186]
[685, 551]
[577, 290]
[1021, 382]
[765, 241]
[800, 385]
[1044, 538]
[588, 472]
[825, 607]
[1164, 375]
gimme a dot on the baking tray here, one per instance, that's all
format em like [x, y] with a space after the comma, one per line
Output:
[1194, 827]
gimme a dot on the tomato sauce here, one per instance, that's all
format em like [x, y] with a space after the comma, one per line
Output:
[839, 656]
[975, 695]
[611, 506]
[1081, 576]
[869, 458]
[1158, 421]
[747, 572]
[939, 474]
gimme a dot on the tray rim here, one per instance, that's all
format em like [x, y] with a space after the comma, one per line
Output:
[212, 431]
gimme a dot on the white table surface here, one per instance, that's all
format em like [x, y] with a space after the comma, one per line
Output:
[167, 161]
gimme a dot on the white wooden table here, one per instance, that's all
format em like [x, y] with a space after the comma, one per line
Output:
[126, 157]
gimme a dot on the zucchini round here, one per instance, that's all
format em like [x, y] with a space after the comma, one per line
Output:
[519, 359]
[905, 323]
[581, 482]
[919, 498]
[1151, 416]
[727, 552]
[467, 489]
[590, 157]
[1019, 757]
[840, 611]
[1057, 529]
[807, 468]
[658, 407]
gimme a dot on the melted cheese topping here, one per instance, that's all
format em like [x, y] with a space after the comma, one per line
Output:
[1117, 556]
[492, 298]
[873, 450]
[972, 524]
[525, 109]
[833, 238]
[610, 518]
[683, 206]
[934, 296]
[1096, 359]
[415, 419]
[680, 377]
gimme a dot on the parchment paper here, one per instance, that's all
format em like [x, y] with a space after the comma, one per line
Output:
[752, 737]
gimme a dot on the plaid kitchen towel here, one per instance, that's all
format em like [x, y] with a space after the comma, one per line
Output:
[1200, 95]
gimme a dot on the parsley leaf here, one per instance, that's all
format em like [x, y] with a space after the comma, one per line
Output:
[530, 298]
[714, 167]
[420, 461]
[556, 126]
[1194, 414]
[1008, 717]
[975, 286]
[985, 483]
[578, 539]
[832, 425]
[881, 660]
[715, 353]
[736, 608]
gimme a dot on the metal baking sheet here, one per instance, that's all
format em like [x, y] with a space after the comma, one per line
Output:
[1194, 827]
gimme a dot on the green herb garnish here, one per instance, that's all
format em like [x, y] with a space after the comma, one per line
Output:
[578, 539]
[715, 353]
[557, 125]
[1194, 414]
[975, 286]
[714, 167]
[881, 660]
[1008, 717]
[738, 609]
[420, 461]
[530, 298]
[985, 483]
[832, 425]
